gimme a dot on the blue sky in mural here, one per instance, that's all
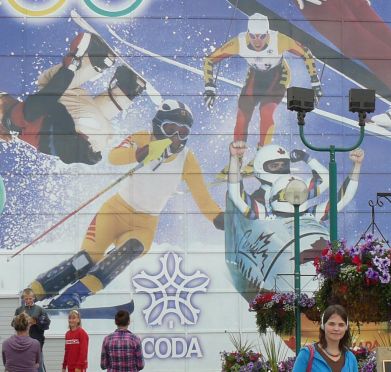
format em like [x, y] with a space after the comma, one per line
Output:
[37, 185]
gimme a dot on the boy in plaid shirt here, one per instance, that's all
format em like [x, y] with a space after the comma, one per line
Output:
[121, 350]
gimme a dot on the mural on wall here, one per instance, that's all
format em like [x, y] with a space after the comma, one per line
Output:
[134, 133]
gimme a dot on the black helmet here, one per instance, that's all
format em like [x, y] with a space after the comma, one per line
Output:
[171, 111]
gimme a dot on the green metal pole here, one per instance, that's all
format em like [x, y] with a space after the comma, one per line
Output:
[332, 172]
[297, 278]
[333, 196]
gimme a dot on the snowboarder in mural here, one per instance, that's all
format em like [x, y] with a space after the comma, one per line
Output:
[129, 219]
[268, 75]
[62, 119]
[256, 251]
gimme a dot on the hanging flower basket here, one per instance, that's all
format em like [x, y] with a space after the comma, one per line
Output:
[276, 310]
[357, 278]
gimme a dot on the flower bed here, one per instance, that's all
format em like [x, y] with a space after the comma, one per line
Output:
[358, 278]
[242, 361]
[249, 361]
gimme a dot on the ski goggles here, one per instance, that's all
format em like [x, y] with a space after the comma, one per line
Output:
[170, 129]
[257, 36]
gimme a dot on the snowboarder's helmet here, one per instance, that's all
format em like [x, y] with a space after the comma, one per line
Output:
[258, 24]
[270, 162]
[172, 118]
[278, 200]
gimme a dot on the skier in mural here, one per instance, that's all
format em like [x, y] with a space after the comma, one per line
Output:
[364, 27]
[62, 119]
[129, 219]
[256, 251]
[268, 75]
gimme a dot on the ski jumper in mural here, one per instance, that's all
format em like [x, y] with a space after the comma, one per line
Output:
[256, 251]
[62, 119]
[362, 26]
[129, 219]
[268, 75]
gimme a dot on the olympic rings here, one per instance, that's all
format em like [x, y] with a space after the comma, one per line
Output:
[53, 8]
[118, 13]
[36, 13]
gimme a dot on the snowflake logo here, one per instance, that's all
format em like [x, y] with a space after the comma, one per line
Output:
[171, 291]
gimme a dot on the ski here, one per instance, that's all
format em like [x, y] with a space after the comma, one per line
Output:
[95, 312]
[352, 70]
[153, 94]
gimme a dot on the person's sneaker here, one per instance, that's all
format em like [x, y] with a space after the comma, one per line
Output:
[77, 50]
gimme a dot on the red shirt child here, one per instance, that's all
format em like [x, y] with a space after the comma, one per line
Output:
[76, 345]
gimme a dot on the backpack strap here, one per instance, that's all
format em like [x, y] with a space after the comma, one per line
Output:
[311, 349]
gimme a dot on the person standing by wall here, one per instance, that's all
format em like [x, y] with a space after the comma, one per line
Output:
[21, 352]
[39, 320]
[121, 350]
[76, 345]
[332, 352]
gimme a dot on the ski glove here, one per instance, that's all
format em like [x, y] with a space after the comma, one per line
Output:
[210, 95]
[316, 87]
[156, 150]
[299, 155]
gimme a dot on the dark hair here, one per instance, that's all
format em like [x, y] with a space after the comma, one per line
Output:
[21, 322]
[345, 341]
[122, 318]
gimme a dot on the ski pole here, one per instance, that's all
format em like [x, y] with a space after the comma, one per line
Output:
[89, 201]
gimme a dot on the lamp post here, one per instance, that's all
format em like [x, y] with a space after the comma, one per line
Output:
[361, 101]
[296, 193]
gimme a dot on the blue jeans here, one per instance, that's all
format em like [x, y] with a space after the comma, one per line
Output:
[41, 367]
